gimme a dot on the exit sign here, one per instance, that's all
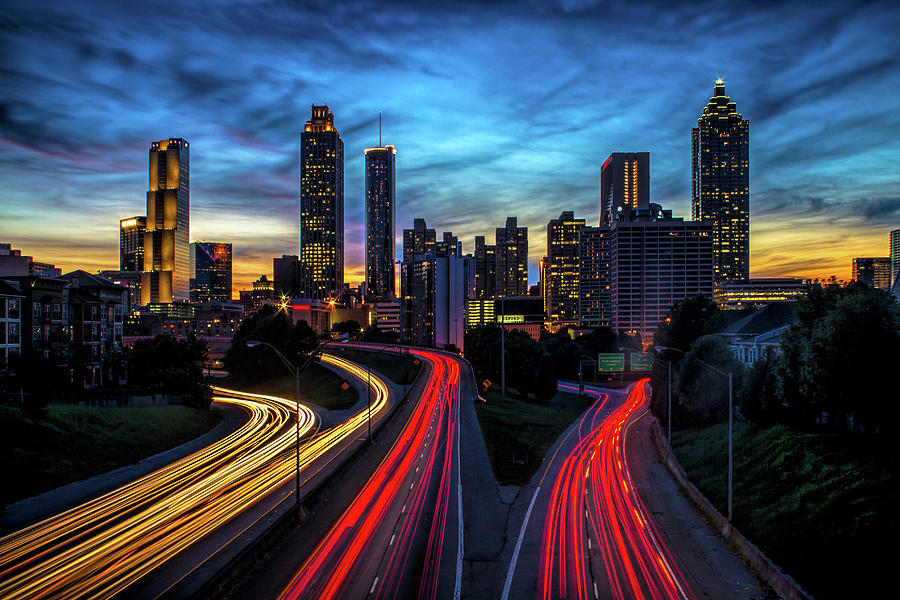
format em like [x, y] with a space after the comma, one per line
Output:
[610, 362]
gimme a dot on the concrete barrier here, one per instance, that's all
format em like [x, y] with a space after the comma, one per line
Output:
[768, 571]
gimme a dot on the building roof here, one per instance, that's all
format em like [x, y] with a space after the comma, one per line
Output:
[85, 279]
[6, 289]
[768, 318]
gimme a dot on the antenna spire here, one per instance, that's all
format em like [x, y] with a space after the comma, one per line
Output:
[379, 129]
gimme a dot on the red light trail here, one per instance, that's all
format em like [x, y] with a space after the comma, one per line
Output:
[595, 508]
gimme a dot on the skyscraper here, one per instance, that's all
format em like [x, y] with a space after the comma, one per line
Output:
[561, 270]
[511, 244]
[286, 272]
[895, 256]
[720, 183]
[210, 272]
[381, 210]
[624, 181]
[655, 261]
[418, 240]
[874, 271]
[321, 207]
[131, 243]
[594, 309]
[166, 239]
[485, 258]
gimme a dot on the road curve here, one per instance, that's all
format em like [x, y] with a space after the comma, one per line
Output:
[102, 547]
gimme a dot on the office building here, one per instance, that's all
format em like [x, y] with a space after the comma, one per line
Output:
[262, 294]
[720, 183]
[753, 293]
[418, 241]
[131, 243]
[561, 270]
[287, 275]
[655, 261]
[624, 181]
[594, 309]
[210, 272]
[131, 281]
[448, 245]
[873, 271]
[479, 312]
[167, 235]
[485, 258]
[381, 211]
[321, 207]
[433, 301]
[511, 247]
[315, 313]
[895, 256]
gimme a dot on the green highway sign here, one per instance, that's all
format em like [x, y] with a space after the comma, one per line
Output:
[641, 361]
[610, 362]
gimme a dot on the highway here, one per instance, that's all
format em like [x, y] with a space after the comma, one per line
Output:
[402, 534]
[587, 533]
[102, 547]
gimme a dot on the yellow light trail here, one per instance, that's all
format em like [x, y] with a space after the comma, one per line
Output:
[103, 546]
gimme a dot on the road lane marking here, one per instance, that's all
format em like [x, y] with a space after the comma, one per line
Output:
[515, 556]
[372, 589]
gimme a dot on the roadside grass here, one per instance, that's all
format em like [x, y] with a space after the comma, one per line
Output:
[318, 385]
[823, 507]
[518, 433]
[402, 370]
[75, 442]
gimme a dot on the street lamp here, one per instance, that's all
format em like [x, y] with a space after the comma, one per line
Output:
[730, 418]
[584, 359]
[296, 371]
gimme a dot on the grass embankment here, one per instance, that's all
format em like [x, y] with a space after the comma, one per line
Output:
[402, 370]
[824, 508]
[75, 442]
[518, 433]
[318, 385]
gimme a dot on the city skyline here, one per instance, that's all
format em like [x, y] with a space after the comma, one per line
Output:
[817, 196]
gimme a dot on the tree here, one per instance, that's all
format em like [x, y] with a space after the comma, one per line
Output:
[174, 365]
[702, 392]
[350, 326]
[545, 381]
[272, 326]
[686, 321]
[759, 394]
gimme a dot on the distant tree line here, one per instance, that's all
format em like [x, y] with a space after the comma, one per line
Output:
[271, 325]
[834, 370]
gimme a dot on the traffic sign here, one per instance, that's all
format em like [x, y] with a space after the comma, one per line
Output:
[608, 362]
[641, 361]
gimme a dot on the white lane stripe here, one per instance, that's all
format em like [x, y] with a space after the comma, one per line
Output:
[393, 537]
[372, 589]
[515, 556]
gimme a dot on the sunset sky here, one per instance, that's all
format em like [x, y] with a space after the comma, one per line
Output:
[495, 111]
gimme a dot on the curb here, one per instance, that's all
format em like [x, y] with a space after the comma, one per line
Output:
[769, 572]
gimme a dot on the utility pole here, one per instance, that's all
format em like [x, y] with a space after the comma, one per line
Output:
[502, 352]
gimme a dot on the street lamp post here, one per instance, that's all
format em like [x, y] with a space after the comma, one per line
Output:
[730, 420]
[296, 371]
[502, 351]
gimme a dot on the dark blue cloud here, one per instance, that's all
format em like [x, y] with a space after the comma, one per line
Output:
[495, 110]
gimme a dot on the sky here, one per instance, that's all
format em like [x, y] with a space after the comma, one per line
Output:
[496, 110]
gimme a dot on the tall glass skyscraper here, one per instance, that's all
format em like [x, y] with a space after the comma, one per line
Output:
[511, 244]
[166, 238]
[381, 211]
[720, 183]
[561, 270]
[624, 182]
[131, 243]
[321, 207]
[210, 272]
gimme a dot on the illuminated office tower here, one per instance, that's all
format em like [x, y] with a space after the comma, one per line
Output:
[166, 239]
[210, 272]
[562, 270]
[875, 271]
[594, 308]
[895, 256]
[131, 243]
[720, 183]
[624, 181]
[418, 240]
[381, 210]
[511, 244]
[485, 258]
[321, 207]
[448, 245]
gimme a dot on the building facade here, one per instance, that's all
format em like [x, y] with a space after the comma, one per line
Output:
[262, 294]
[874, 271]
[433, 301]
[895, 256]
[485, 257]
[381, 211]
[210, 272]
[739, 295]
[321, 207]
[418, 241]
[560, 281]
[720, 183]
[624, 182]
[655, 261]
[594, 309]
[511, 242]
[10, 324]
[166, 238]
[131, 243]
[287, 275]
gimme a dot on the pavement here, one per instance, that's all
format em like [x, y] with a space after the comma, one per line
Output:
[37, 508]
